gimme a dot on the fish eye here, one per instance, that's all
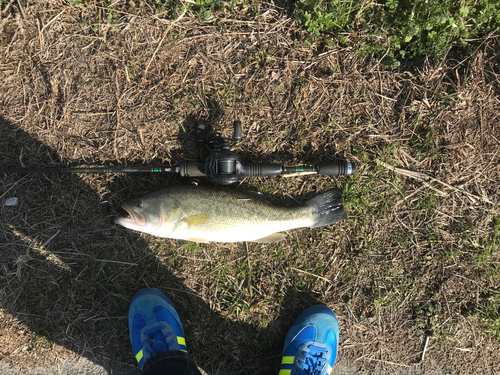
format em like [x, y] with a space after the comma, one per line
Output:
[139, 204]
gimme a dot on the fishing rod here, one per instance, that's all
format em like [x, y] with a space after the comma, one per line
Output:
[221, 166]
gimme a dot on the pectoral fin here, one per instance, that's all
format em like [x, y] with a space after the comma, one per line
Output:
[275, 237]
[190, 221]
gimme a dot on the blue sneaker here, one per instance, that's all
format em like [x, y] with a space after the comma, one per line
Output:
[154, 325]
[311, 344]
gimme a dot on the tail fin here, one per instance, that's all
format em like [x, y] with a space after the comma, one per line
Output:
[327, 208]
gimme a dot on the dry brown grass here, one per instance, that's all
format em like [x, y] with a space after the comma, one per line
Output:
[408, 264]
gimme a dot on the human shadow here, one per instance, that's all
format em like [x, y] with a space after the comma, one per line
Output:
[68, 273]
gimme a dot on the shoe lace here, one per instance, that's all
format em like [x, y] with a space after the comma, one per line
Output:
[314, 361]
[158, 341]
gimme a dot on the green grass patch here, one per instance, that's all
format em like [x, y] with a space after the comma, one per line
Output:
[490, 315]
[399, 29]
[488, 252]
[427, 316]
[427, 201]
[367, 196]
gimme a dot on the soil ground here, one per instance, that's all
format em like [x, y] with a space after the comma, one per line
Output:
[413, 273]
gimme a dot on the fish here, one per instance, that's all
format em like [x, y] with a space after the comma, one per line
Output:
[216, 214]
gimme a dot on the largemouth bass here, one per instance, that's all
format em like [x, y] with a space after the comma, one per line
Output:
[204, 214]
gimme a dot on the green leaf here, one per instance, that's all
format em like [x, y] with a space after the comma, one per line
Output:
[464, 11]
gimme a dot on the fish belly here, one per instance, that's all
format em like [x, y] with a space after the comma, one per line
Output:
[236, 233]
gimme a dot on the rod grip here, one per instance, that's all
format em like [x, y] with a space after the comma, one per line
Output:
[337, 168]
[262, 169]
[192, 170]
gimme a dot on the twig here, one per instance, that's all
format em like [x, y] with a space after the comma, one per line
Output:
[471, 196]
[425, 349]
[408, 196]
[490, 36]
[383, 57]
[50, 239]
[13, 185]
[105, 318]
[311, 274]
[415, 175]
[194, 259]
[385, 97]
[115, 261]
[249, 271]
[441, 193]
[52, 20]
[21, 9]
[380, 360]
[27, 314]
[423, 177]
[6, 8]
[163, 38]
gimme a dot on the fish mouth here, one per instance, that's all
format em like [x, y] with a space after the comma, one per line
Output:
[134, 218]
